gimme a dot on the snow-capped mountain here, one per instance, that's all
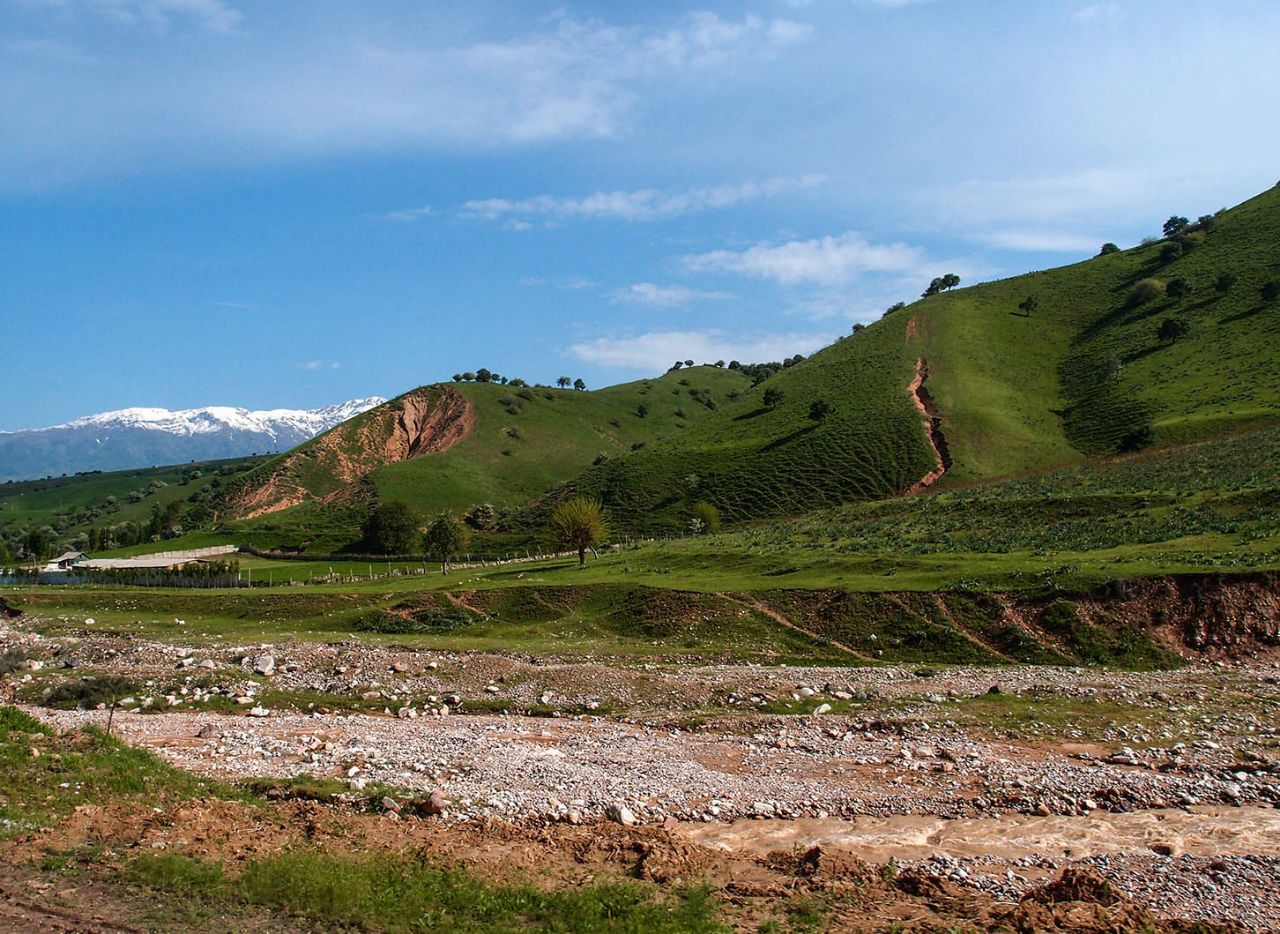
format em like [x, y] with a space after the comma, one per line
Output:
[146, 437]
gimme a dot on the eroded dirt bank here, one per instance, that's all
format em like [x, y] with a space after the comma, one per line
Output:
[931, 418]
[425, 421]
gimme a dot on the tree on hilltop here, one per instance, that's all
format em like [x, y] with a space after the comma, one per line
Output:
[563, 382]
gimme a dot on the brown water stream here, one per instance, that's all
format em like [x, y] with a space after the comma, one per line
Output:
[1200, 831]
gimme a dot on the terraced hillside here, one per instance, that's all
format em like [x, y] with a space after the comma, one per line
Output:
[451, 446]
[968, 385]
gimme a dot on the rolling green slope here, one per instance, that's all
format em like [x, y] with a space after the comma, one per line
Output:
[72, 505]
[752, 458]
[1087, 372]
[449, 447]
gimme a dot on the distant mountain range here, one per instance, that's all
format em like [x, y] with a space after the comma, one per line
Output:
[146, 437]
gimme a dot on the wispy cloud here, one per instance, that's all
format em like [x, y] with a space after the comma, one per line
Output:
[662, 296]
[1039, 241]
[319, 365]
[646, 204]
[824, 261]
[657, 350]
[237, 306]
[157, 15]
[409, 215]
[1098, 12]
[311, 92]
[570, 283]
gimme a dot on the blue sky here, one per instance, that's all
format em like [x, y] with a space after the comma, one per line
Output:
[288, 204]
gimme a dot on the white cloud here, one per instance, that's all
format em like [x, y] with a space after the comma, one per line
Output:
[157, 15]
[824, 261]
[409, 215]
[341, 82]
[646, 204]
[1098, 12]
[654, 351]
[662, 296]
[318, 365]
[570, 283]
[1053, 198]
[1041, 241]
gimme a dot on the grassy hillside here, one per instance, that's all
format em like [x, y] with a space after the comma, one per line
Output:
[1088, 369]
[453, 446]
[1087, 372]
[755, 457]
[71, 505]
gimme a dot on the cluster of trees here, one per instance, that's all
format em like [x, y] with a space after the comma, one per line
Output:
[579, 523]
[941, 284]
[759, 372]
[483, 375]
[564, 382]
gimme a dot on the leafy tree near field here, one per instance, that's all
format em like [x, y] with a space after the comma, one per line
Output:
[390, 529]
[704, 518]
[579, 383]
[642, 410]
[38, 542]
[1108, 248]
[772, 396]
[563, 382]
[1206, 222]
[443, 539]
[819, 410]
[468, 377]
[719, 364]
[858, 328]
[1175, 225]
[1270, 290]
[678, 365]
[1226, 282]
[896, 306]
[457, 377]
[1171, 329]
[1170, 252]
[1178, 288]
[688, 363]
[1028, 305]
[579, 523]
[483, 376]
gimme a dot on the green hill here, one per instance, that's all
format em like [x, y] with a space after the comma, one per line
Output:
[1087, 371]
[452, 446]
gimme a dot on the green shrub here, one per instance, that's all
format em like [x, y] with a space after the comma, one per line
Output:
[89, 692]
[1146, 290]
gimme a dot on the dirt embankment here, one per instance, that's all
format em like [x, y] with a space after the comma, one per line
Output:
[922, 399]
[750, 889]
[425, 421]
